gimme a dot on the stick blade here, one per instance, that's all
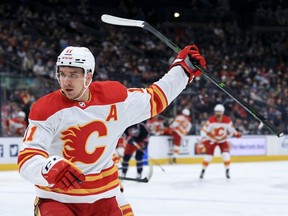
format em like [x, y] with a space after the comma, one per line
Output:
[146, 179]
[121, 21]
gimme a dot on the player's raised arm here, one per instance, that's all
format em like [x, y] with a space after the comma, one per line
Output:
[142, 104]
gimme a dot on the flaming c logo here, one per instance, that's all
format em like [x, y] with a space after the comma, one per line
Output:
[219, 131]
[76, 139]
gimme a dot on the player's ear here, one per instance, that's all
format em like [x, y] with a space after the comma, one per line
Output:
[89, 76]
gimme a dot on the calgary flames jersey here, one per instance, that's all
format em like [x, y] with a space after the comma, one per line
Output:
[181, 125]
[86, 133]
[155, 126]
[218, 131]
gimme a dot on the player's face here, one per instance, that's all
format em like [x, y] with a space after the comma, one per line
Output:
[21, 119]
[71, 81]
[218, 115]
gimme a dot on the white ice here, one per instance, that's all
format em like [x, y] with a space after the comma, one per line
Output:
[255, 189]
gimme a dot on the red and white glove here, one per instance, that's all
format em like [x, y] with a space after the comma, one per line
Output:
[185, 58]
[237, 134]
[61, 173]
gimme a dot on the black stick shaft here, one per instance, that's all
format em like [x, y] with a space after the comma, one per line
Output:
[218, 83]
[144, 180]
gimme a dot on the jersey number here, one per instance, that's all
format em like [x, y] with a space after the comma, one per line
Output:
[29, 134]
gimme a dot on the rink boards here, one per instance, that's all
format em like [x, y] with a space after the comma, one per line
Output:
[245, 149]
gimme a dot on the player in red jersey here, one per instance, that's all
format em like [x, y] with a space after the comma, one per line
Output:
[68, 146]
[179, 128]
[215, 133]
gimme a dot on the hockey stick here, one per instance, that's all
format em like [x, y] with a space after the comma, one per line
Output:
[154, 161]
[146, 179]
[142, 24]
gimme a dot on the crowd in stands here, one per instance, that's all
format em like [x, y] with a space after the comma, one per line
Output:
[250, 60]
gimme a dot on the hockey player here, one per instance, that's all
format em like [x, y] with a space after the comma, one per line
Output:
[179, 128]
[17, 125]
[137, 141]
[68, 146]
[155, 125]
[215, 133]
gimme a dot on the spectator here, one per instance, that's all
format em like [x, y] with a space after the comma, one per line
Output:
[255, 58]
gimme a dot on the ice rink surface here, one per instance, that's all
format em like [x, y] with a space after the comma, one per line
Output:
[255, 189]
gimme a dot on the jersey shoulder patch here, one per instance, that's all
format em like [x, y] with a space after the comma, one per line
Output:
[225, 119]
[107, 92]
[49, 104]
[103, 93]
[212, 119]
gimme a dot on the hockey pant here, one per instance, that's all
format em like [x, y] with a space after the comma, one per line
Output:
[139, 161]
[103, 207]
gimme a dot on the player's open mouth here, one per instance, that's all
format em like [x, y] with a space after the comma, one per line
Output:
[69, 90]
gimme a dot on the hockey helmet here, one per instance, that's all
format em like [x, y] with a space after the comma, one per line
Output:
[219, 108]
[76, 57]
[186, 112]
[21, 114]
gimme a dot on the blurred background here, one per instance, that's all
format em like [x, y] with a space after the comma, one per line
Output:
[244, 42]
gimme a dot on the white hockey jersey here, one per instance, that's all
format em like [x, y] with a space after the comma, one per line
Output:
[86, 133]
[181, 125]
[218, 131]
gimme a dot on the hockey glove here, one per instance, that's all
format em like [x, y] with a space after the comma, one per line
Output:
[237, 134]
[131, 141]
[185, 58]
[61, 173]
